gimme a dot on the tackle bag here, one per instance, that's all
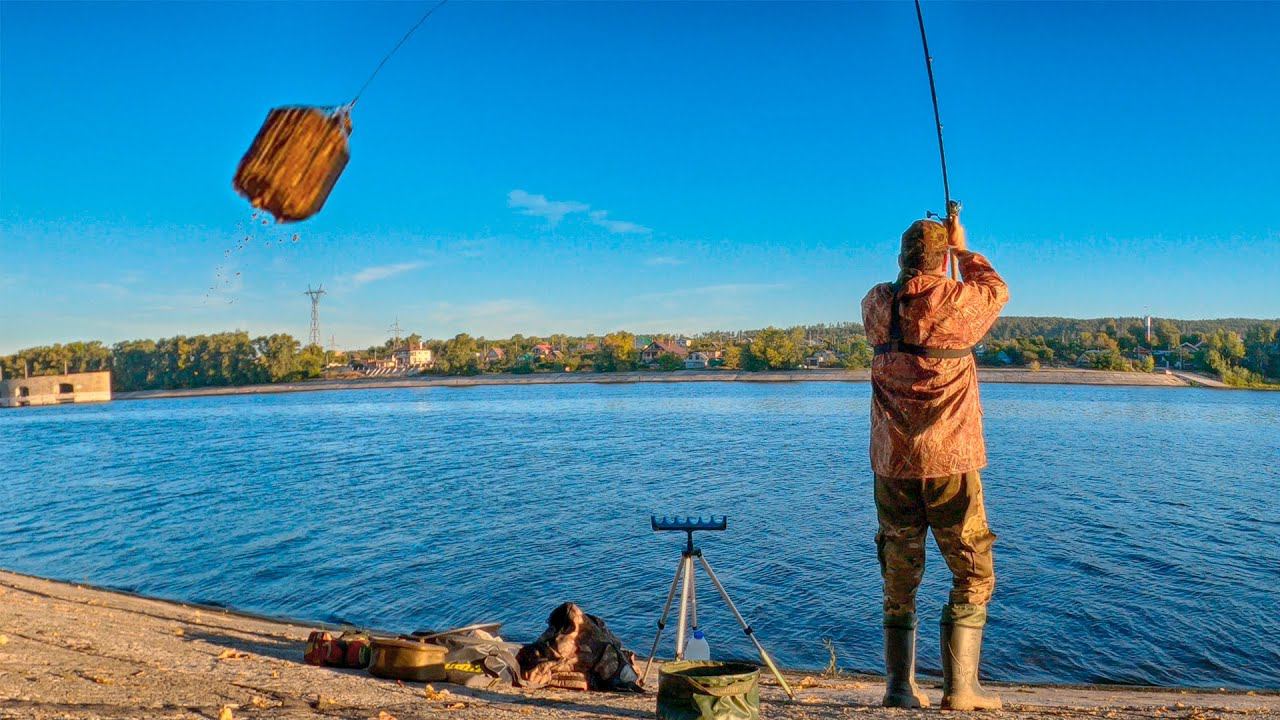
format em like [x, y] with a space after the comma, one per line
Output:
[478, 658]
[705, 690]
[481, 665]
[295, 160]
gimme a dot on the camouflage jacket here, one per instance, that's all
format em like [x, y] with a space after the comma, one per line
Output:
[926, 419]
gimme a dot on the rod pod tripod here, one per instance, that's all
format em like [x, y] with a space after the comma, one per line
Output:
[689, 595]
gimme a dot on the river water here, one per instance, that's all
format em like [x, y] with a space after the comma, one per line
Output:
[1139, 527]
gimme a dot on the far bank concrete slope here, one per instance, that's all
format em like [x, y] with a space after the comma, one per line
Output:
[77, 652]
[1054, 376]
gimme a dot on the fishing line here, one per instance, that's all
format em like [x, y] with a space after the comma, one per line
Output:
[395, 49]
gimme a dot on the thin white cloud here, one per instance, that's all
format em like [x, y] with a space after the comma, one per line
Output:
[663, 260]
[500, 317]
[556, 210]
[382, 272]
[620, 227]
[112, 289]
[712, 291]
[539, 206]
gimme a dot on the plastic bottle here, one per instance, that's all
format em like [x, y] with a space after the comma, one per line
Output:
[697, 648]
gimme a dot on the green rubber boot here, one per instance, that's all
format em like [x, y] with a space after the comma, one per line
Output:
[900, 689]
[961, 656]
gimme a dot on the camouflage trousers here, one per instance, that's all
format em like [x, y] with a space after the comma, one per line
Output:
[952, 507]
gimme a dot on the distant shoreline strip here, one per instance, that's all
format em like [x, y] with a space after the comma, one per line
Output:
[986, 375]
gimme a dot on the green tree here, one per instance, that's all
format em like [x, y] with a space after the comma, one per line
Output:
[668, 362]
[774, 349]
[1168, 334]
[278, 355]
[860, 354]
[310, 363]
[1233, 350]
[1109, 359]
[133, 365]
[733, 357]
[617, 352]
[458, 356]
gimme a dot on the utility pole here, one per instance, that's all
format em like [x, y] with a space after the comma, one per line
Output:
[315, 312]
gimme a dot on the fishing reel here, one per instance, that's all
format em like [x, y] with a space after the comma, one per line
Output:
[953, 210]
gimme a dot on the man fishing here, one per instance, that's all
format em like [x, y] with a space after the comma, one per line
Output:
[926, 451]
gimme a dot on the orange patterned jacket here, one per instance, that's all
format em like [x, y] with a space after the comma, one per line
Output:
[926, 418]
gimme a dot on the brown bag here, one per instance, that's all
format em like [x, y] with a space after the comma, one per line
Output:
[577, 652]
[294, 161]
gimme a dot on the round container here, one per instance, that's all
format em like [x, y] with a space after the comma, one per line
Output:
[705, 690]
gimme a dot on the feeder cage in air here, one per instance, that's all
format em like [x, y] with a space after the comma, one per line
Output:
[295, 160]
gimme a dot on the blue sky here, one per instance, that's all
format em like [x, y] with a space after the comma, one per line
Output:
[584, 167]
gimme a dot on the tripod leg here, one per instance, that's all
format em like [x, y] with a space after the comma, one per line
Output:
[662, 621]
[683, 623]
[693, 596]
[746, 628]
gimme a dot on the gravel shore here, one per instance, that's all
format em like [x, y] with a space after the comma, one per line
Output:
[70, 651]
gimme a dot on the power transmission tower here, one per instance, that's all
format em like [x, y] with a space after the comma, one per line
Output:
[395, 330]
[315, 312]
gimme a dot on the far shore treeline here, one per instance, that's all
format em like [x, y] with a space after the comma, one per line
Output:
[1242, 352]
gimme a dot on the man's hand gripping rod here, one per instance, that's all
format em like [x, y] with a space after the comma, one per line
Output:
[953, 216]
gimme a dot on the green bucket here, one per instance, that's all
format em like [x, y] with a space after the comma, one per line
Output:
[703, 690]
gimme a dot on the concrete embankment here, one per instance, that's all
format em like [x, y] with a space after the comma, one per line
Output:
[1056, 376]
[70, 651]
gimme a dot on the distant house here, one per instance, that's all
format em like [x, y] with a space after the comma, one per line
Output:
[495, 355]
[822, 358]
[544, 351]
[658, 348]
[414, 355]
[587, 348]
[373, 363]
[697, 360]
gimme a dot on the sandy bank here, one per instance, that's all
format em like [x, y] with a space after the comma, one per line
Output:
[1055, 376]
[78, 652]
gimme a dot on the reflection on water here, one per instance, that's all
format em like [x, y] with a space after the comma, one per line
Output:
[1139, 531]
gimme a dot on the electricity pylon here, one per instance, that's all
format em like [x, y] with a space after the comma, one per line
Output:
[315, 312]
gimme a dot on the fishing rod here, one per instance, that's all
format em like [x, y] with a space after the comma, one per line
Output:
[953, 206]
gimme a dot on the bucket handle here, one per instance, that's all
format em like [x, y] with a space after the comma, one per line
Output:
[741, 687]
